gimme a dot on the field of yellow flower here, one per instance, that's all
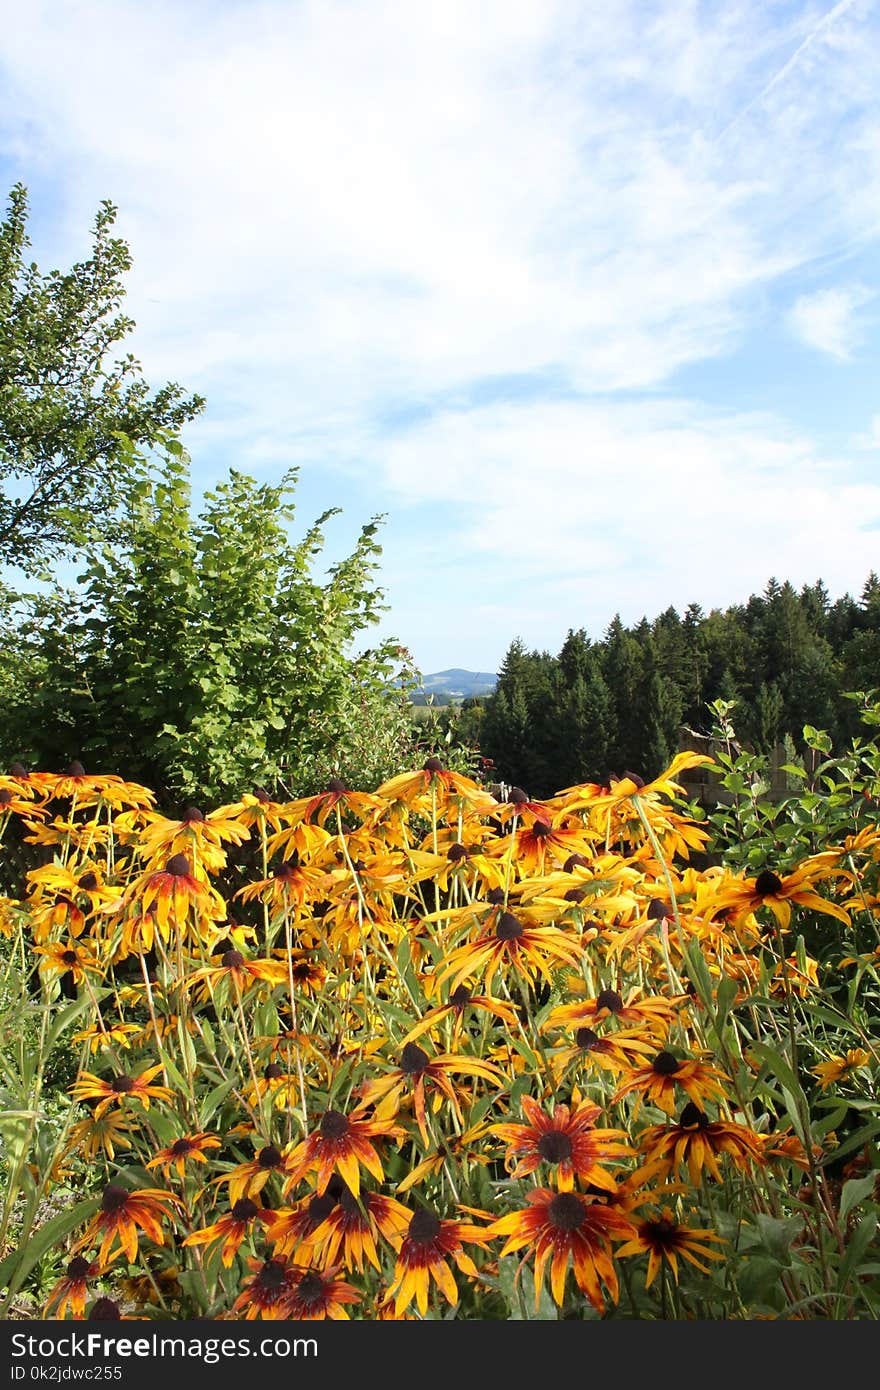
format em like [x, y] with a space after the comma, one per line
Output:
[419, 1053]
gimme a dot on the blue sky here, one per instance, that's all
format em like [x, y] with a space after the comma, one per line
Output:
[585, 299]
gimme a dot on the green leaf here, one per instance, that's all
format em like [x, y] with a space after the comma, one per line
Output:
[17, 1266]
[855, 1191]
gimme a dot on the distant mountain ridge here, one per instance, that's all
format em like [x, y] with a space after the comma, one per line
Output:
[458, 684]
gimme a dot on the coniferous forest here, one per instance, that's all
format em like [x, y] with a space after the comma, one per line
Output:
[787, 659]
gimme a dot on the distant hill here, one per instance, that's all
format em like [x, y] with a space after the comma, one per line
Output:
[456, 684]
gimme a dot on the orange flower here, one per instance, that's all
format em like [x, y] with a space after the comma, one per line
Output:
[662, 1238]
[71, 1291]
[121, 1215]
[341, 1143]
[423, 1254]
[566, 1140]
[118, 1087]
[657, 1082]
[189, 1147]
[563, 1226]
[419, 1070]
[231, 1228]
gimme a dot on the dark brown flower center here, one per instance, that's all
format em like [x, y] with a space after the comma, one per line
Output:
[664, 1064]
[424, 1227]
[78, 1268]
[192, 815]
[333, 1124]
[586, 1039]
[335, 787]
[509, 928]
[18, 770]
[104, 1310]
[113, 1198]
[575, 895]
[657, 910]
[272, 1071]
[321, 1207]
[575, 861]
[76, 769]
[433, 765]
[244, 1209]
[609, 999]
[5, 796]
[456, 853]
[310, 1289]
[460, 997]
[232, 960]
[566, 1211]
[121, 1084]
[272, 1277]
[495, 896]
[767, 883]
[69, 957]
[413, 1059]
[554, 1146]
[88, 883]
[178, 866]
[517, 796]
[180, 1147]
[269, 1157]
[635, 778]
[692, 1117]
[662, 1232]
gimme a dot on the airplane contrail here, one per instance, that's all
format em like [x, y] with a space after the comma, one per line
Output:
[821, 28]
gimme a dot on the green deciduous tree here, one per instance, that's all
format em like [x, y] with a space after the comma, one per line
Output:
[203, 657]
[65, 394]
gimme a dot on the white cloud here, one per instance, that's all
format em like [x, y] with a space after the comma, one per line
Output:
[827, 320]
[342, 213]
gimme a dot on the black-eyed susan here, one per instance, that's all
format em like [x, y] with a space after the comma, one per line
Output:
[111, 1035]
[290, 1228]
[515, 942]
[174, 892]
[615, 1051]
[351, 1229]
[232, 1228]
[318, 1293]
[119, 1087]
[567, 1226]
[423, 1255]
[657, 1082]
[101, 1134]
[662, 1238]
[71, 1290]
[742, 896]
[652, 1013]
[233, 969]
[264, 1295]
[289, 886]
[566, 1140]
[189, 1148]
[122, 1215]
[198, 836]
[417, 1073]
[72, 958]
[841, 1067]
[341, 1144]
[694, 1143]
[460, 1000]
[247, 1179]
[438, 784]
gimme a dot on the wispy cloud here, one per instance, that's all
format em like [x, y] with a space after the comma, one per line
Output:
[827, 320]
[352, 225]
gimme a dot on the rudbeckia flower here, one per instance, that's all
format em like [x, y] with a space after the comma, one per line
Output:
[657, 1082]
[198, 837]
[694, 1143]
[122, 1214]
[316, 1293]
[565, 1226]
[67, 958]
[769, 889]
[566, 1141]
[419, 1071]
[342, 1143]
[662, 1238]
[515, 942]
[231, 1228]
[264, 1294]
[353, 1226]
[249, 1178]
[71, 1290]
[118, 1087]
[422, 1255]
[172, 891]
[838, 1068]
[189, 1147]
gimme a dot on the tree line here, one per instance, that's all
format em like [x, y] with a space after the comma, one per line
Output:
[600, 708]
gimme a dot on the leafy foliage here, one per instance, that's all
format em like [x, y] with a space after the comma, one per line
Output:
[64, 397]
